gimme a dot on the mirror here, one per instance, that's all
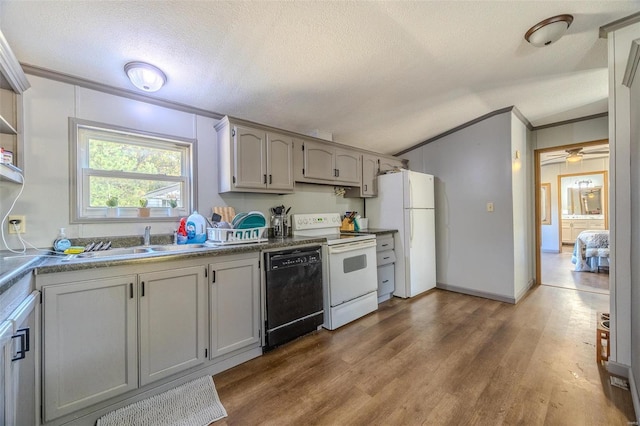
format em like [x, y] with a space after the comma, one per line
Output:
[545, 203]
[583, 194]
[586, 201]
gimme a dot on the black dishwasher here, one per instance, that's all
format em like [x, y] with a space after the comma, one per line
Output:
[293, 288]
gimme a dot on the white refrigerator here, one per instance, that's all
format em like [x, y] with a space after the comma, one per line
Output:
[405, 202]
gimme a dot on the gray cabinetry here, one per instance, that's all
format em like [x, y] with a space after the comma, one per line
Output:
[387, 164]
[235, 305]
[252, 159]
[386, 257]
[13, 83]
[173, 321]
[89, 343]
[326, 162]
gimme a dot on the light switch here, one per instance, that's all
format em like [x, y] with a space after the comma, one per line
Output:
[489, 207]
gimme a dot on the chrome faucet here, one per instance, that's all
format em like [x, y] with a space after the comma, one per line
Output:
[147, 235]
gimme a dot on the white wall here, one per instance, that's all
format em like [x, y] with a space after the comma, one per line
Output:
[474, 248]
[567, 134]
[549, 174]
[45, 202]
[521, 178]
[620, 222]
[635, 229]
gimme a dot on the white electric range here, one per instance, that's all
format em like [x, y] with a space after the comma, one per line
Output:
[350, 274]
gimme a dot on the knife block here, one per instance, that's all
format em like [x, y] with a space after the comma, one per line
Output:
[346, 225]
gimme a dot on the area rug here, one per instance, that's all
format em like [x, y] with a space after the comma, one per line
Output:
[195, 403]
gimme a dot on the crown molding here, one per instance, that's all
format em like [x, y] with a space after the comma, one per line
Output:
[88, 84]
[632, 63]
[10, 68]
[620, 23]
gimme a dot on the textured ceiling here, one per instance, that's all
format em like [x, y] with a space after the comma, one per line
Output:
[378, 75]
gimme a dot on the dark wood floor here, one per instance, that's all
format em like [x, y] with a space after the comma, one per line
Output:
[557, 270]
[441, 358]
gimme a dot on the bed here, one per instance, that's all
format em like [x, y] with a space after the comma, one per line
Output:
[591, 251]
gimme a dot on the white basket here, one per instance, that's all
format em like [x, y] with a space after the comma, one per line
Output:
[223, 236]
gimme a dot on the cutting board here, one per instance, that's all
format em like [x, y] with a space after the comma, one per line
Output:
[227, 213]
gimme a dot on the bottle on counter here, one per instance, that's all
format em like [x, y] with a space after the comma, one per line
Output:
[61, 243]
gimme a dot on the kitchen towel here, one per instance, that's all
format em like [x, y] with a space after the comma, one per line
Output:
[195, 403]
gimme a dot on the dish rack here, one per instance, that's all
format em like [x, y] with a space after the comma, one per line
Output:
[225, 236]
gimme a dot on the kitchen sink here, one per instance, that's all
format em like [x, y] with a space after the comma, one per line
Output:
[176, 247]
[141, 250]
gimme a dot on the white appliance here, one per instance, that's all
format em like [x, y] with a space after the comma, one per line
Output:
[406, 202]
[350, 287]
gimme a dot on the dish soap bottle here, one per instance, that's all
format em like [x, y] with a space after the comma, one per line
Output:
[61, 243]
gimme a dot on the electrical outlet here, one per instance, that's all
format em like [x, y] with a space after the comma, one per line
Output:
[22, 226]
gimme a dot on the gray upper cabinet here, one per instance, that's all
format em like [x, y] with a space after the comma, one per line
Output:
[252, 159]
[370, 166]
[326, 162]
[387, 164]
[279, 162]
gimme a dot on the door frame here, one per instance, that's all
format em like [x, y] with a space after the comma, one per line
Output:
[538, 182]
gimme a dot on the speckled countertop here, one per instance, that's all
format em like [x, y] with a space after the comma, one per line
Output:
[15, 266]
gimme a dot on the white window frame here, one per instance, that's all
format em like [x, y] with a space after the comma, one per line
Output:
[80, 173]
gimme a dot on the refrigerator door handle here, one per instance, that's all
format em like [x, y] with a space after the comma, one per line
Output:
[410, 193]
[411, 230]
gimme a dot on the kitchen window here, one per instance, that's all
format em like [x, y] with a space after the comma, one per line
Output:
[117, 171]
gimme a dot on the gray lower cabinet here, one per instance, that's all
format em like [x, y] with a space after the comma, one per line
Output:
[90, 343]
[103, 337]
[235, 305]
[172, 321]
[386, 258]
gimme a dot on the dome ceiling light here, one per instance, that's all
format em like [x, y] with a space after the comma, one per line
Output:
[145, 76]
[548, 31]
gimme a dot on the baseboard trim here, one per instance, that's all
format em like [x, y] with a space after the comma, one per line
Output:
[621, 370]
[477, 293]
[524, 291]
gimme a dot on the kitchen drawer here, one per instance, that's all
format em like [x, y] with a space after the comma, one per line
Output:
[386, 281]
[384, 243]
[385, 257]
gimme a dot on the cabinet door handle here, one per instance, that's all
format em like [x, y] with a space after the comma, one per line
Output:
[130, 290]
[270, 179]
[265, 178]
[142, 295]
[233, 132]
[365, 186]
[337, 172]
[23, 335]
[213, 276]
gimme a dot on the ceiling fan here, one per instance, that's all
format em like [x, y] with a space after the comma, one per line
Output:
[574, 155]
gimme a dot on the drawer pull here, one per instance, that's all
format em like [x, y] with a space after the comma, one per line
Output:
[384, 245]
[385, 258]
[385, 281]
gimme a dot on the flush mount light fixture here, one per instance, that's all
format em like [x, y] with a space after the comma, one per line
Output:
[548, 31]
[145, 76]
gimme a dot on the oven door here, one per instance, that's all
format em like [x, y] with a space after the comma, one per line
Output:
[352, 270]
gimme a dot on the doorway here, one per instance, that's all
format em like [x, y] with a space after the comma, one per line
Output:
[572, 216]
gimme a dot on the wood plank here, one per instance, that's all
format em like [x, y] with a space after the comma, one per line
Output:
[440, 358]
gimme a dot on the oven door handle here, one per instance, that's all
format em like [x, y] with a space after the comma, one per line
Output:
[343, 248]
